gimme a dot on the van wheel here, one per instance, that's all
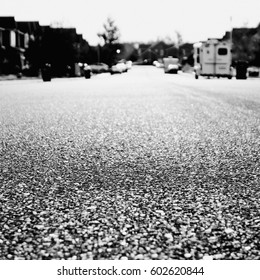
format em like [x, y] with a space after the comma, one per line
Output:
[196, 76]
[229, 77]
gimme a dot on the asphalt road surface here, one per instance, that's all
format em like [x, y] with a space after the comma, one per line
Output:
[142, 165]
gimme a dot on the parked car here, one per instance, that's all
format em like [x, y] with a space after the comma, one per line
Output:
[157, 64]
[99, 67]
[253, 71]
[171, 64]
[129, 64]
[120, 67]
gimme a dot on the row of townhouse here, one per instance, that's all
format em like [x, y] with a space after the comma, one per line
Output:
[158, 50]
[26, 46]
[13, 43]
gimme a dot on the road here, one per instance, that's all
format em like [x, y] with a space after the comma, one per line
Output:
[142, 165]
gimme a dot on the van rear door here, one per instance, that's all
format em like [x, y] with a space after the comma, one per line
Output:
[208, 59]
[223, 60]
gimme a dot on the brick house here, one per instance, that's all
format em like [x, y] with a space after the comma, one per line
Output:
[12, 46]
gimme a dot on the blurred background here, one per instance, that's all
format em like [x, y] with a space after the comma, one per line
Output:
[70, 35]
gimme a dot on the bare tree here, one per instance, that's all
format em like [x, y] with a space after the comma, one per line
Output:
[111, 33]
[110, 37]
[179, 38]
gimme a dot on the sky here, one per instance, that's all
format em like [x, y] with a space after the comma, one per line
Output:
[140, 20]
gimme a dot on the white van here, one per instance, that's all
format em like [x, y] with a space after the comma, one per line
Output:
[213, 58]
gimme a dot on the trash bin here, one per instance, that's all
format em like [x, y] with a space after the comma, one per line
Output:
[46, 72]
[87, 71]
[241, 69]
[18, 71]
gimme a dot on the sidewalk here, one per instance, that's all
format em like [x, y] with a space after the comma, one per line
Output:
[14, 77]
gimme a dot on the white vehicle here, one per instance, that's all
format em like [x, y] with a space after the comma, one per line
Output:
[171, 64]
[129, 64]
[120, 67]
[213, 58]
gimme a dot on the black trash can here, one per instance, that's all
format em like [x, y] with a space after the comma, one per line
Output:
[87, 71]
[46, 72]
[241, 69]
[18, 72]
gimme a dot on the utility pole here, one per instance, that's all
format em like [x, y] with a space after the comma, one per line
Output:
[231, 40]
[231, 30]
[98, 53]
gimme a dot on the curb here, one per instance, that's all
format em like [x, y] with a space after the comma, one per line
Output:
[14, 78]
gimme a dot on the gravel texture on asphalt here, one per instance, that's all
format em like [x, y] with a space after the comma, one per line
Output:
[141, 165]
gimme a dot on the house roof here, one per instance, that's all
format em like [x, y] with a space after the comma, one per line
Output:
[28, 26]
[8, 22]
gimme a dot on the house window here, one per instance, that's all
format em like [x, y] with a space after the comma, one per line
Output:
[26, 40]
[12, 39]
[1, 38]
[17, 39]
[222, 51]
[6, 38]
[22, 40]
[198, 56]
